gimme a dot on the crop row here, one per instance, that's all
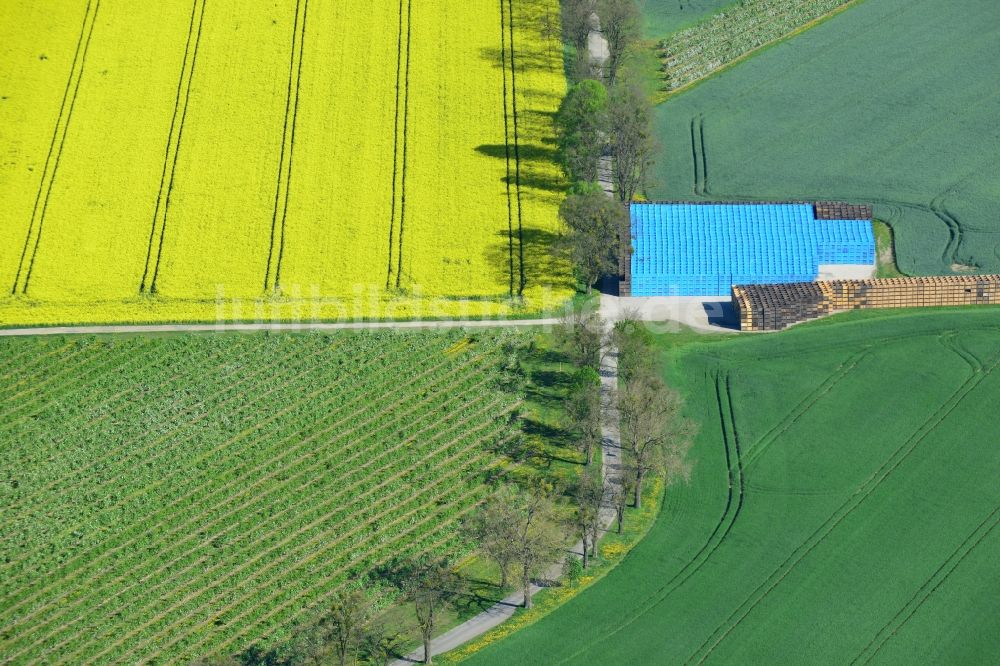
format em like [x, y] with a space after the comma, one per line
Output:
[145, 535]
[692, 54]
[145, 477]
[255, 504]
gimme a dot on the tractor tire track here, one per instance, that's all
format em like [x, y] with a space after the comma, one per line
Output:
[34, 236]
[929, 587]
[159, 224]
[695, 159]
[397, 217]
[897, 458]
[804, 406]
[517, 144]
[275, 253]
[954, 229]
[506, 140]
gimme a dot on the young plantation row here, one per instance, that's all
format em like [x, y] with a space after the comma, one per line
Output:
[696, 52]
[175, 497]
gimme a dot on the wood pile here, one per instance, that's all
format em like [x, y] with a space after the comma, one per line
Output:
[773, 307]
[836, 210]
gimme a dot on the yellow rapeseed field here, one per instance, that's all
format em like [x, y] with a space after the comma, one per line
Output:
[196, 160]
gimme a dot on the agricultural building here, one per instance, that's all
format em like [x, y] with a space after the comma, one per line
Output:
[695, 249]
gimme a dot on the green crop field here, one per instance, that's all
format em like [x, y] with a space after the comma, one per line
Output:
[892, 102]
[843, 506]
[163, 498]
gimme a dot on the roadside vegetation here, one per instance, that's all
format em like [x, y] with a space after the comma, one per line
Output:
[604, 138]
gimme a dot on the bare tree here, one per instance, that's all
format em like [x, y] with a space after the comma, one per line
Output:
[654, 433]
[581, 334]
[344, 625]
[380, 645]
[632, 142]
[539, 539]
[494, 526]
[576, 22]
[621, 495]
[431, 585]
[634, 345]
[590, 497]
[620, 21]
[583, 412]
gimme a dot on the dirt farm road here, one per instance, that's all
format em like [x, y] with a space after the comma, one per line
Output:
[270, 326]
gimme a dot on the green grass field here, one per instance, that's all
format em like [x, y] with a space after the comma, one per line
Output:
[892, 102]
[843, 506]
[163, 498]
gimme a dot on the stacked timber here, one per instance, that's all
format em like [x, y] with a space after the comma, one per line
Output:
[836, 210]
[772, 307]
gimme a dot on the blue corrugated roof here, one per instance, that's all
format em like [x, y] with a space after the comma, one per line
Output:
[703, 249]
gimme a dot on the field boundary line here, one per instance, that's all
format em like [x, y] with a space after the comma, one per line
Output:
[180, 527]
[282, 191]
[924, 592]
[855, 500]
[159, 224]
[949, 340]
[34, 235]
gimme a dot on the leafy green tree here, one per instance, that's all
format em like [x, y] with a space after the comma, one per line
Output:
[380, 644]
[596, 227]
[581, 128]
[493, 527]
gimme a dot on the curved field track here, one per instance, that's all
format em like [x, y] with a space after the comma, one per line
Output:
[853, 464]
[163, 498]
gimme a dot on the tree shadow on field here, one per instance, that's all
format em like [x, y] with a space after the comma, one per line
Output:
[547, 179]
[545, 260]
